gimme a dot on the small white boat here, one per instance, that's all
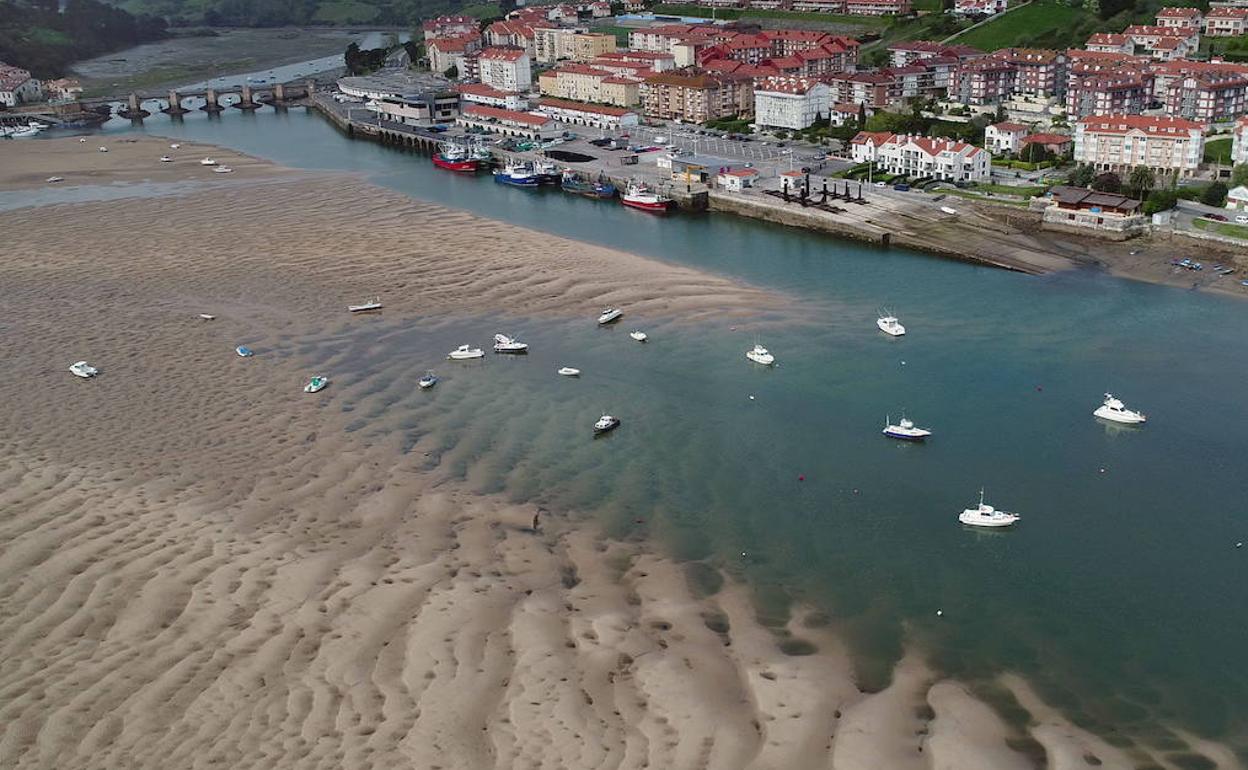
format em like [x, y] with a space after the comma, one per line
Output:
[890, 325]
[21, 133]
[986, 515]
[606, 423]
[905, 430]
[373, 304]
[609, 315]
[505, 344]
[948, 209]
[83, 369]
[316, 384]
[208, 316]
[568, 371]
[223, 170]
[760, 355]
[103, 149]
[166, 159]
[174, 146]
[464, 352]
[207, 162]
[1115, 411]
[82, 140]
[243, 351]
[54, 179]
[638, 335]
[428, 381]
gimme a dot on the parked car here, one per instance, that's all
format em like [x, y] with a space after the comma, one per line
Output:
[901, 187]
[1217, 217]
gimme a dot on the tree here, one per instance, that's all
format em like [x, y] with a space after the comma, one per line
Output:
[451, 72]
[862, 115]
[1141, 182]
[1160, 200]
[1107, 182]
[1034, 152]
[1081, 176]
[1239, 175]
[1214, 194]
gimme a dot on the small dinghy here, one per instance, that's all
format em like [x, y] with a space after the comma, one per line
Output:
[82, 140]
[568, 371]
[606, 423]
[316, 384]
[223, 170]
[54, 179]
[364, 307]
[428, 381]
[166, 159]
[243, 351]
[207, 162]
[103, 149]
[208, 316]
[174, 146]
[83, 369]
[638, 335]
[609, 315]
[464, 352]
[505, 344]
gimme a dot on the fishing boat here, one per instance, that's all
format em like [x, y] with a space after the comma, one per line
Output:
[243, 351]
[505, 344]
[760, 355]
[547, 172]
[316, 384]
[600, 188]
[464, 352]
[516, 174]
[606, 423]
[1115, 411]
[568, 371]
[638, 195]
[609, 315]
[364, 307]
[889, 324]
[986, 515]
[83, 369]
[455, 157]
[428, 381]
[638, 335]
[905, 430]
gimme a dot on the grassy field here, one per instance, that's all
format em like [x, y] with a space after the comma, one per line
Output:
[973, 196]
[1218, 150]
[621, 33]
[1005, 189]
[737, 13]
[1222, 228]
[1040, 24]
[345, 12]
[482, 11]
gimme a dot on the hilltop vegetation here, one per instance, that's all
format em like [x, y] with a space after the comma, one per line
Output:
[39, 37]
[278, 13]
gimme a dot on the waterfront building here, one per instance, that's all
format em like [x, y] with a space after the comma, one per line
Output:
[696, 97]
[1119, 143]
[521, 125]
[480, 93]
[589, 115]
[1226, 22]
[506, 69]
[1182, 19]
[17, 86]
[737, 179]
[1004, 137]
[417, 109]
[1083, 209]
[792, 103]
[1239, 141]
[63, 89]
[449, 26]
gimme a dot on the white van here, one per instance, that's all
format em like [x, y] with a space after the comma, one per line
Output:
[1241, 219]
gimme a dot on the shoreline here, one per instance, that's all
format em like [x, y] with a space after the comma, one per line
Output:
[294, 593]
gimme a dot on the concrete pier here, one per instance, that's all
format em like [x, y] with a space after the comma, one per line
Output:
[175, 104]
[245, 102]
[210, 101]
[134, 110]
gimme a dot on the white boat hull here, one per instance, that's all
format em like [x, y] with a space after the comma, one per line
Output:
[466, 355]
[973, 519]
[568, 371]
[610, 316]
[906, 434]
[1126, 417]
[764, 360]
[515, 347]
[894, 330]
[84, 370]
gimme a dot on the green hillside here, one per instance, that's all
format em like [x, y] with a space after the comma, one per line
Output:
[1038, 25]
[276, 13]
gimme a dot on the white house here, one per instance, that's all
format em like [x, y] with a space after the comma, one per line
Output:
[1004, 137]
[737, 179]
[1239, 142]
[921, 156]
[794, 103]
[17, 86]
[865, 145]
[1237, 198]
[506, 69]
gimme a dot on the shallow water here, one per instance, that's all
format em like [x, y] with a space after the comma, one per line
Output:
[1120, 592]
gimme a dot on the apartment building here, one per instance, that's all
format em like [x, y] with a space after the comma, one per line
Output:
[1162, 43]
[1116, 92]
[909, 52]
[878, 7]
[552, 44]
[1039, 72]
[583, 83]
[512, 34]
[1120, 143]
[924, 157]
[792, 103]
[869, 88]
[1208, 96]
[480, 93]
[696, 98]
[1182, 19]
[449, 26]
[989, 80]
[1226, 22]
[651, 60]
[506, 69]
[458, 52]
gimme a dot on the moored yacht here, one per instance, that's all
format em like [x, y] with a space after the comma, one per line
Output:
[505, 344]
[568, 371]
[638, 195]
[606, 423]
[609, 315]
[1115, 411]
[760, 355]
[986, 515]
[465, 352]
[905, 430]
[890, 325]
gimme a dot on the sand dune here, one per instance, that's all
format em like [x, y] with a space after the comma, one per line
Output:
[204, 568]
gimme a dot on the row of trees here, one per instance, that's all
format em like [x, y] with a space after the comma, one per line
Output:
[43, 38]
[1158, 194]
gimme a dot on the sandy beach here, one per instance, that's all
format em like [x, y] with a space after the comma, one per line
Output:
[207, 569]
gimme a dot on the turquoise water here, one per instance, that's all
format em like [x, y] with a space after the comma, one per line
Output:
[1121, 593]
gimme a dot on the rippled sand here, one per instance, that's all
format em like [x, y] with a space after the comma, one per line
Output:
[203, 568]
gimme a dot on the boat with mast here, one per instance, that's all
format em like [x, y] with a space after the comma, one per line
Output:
[455, 157]
[517, 174]
[987, 516]
[641, 196]
[601, 187]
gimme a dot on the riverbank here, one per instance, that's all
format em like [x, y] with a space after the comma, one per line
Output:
[212, 566]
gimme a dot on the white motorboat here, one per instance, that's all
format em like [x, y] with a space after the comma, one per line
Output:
[208, 316]
[428, 381]
[760, 355]
[638, 335]
[20, 133]
[373, 304]
[174, 146]
[986, 515]
[54, 179]
[890, 325]
[568, 371]
[904, 430]
[606, 423]
[1115, 411]
[207, 162]
[83, 369]
[243, 351]
[505, 344]
[464, 352]
[103, 149]
[82, 140]
[166, 159]
[223, 170]
[948, 209]
[609, 315]
[316, 384]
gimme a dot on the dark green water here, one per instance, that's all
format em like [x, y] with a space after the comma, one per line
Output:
[1121, 593]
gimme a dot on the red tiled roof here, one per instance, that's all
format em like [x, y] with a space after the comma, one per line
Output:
[1047, 139]
[1227, 13]
[785, 85]
[1011, 127]
[481, 89]
[1121, 124]
[510, 115]
[597, 109]
[872, 137]
[503, 54]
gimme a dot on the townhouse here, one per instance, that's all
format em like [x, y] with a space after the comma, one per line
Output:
[1005, 137]
[924, 157]
[1226, 21]
[1182, 19]
[449, 26]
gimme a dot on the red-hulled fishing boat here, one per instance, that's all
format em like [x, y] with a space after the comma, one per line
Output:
[640, 196]
[453, 157]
